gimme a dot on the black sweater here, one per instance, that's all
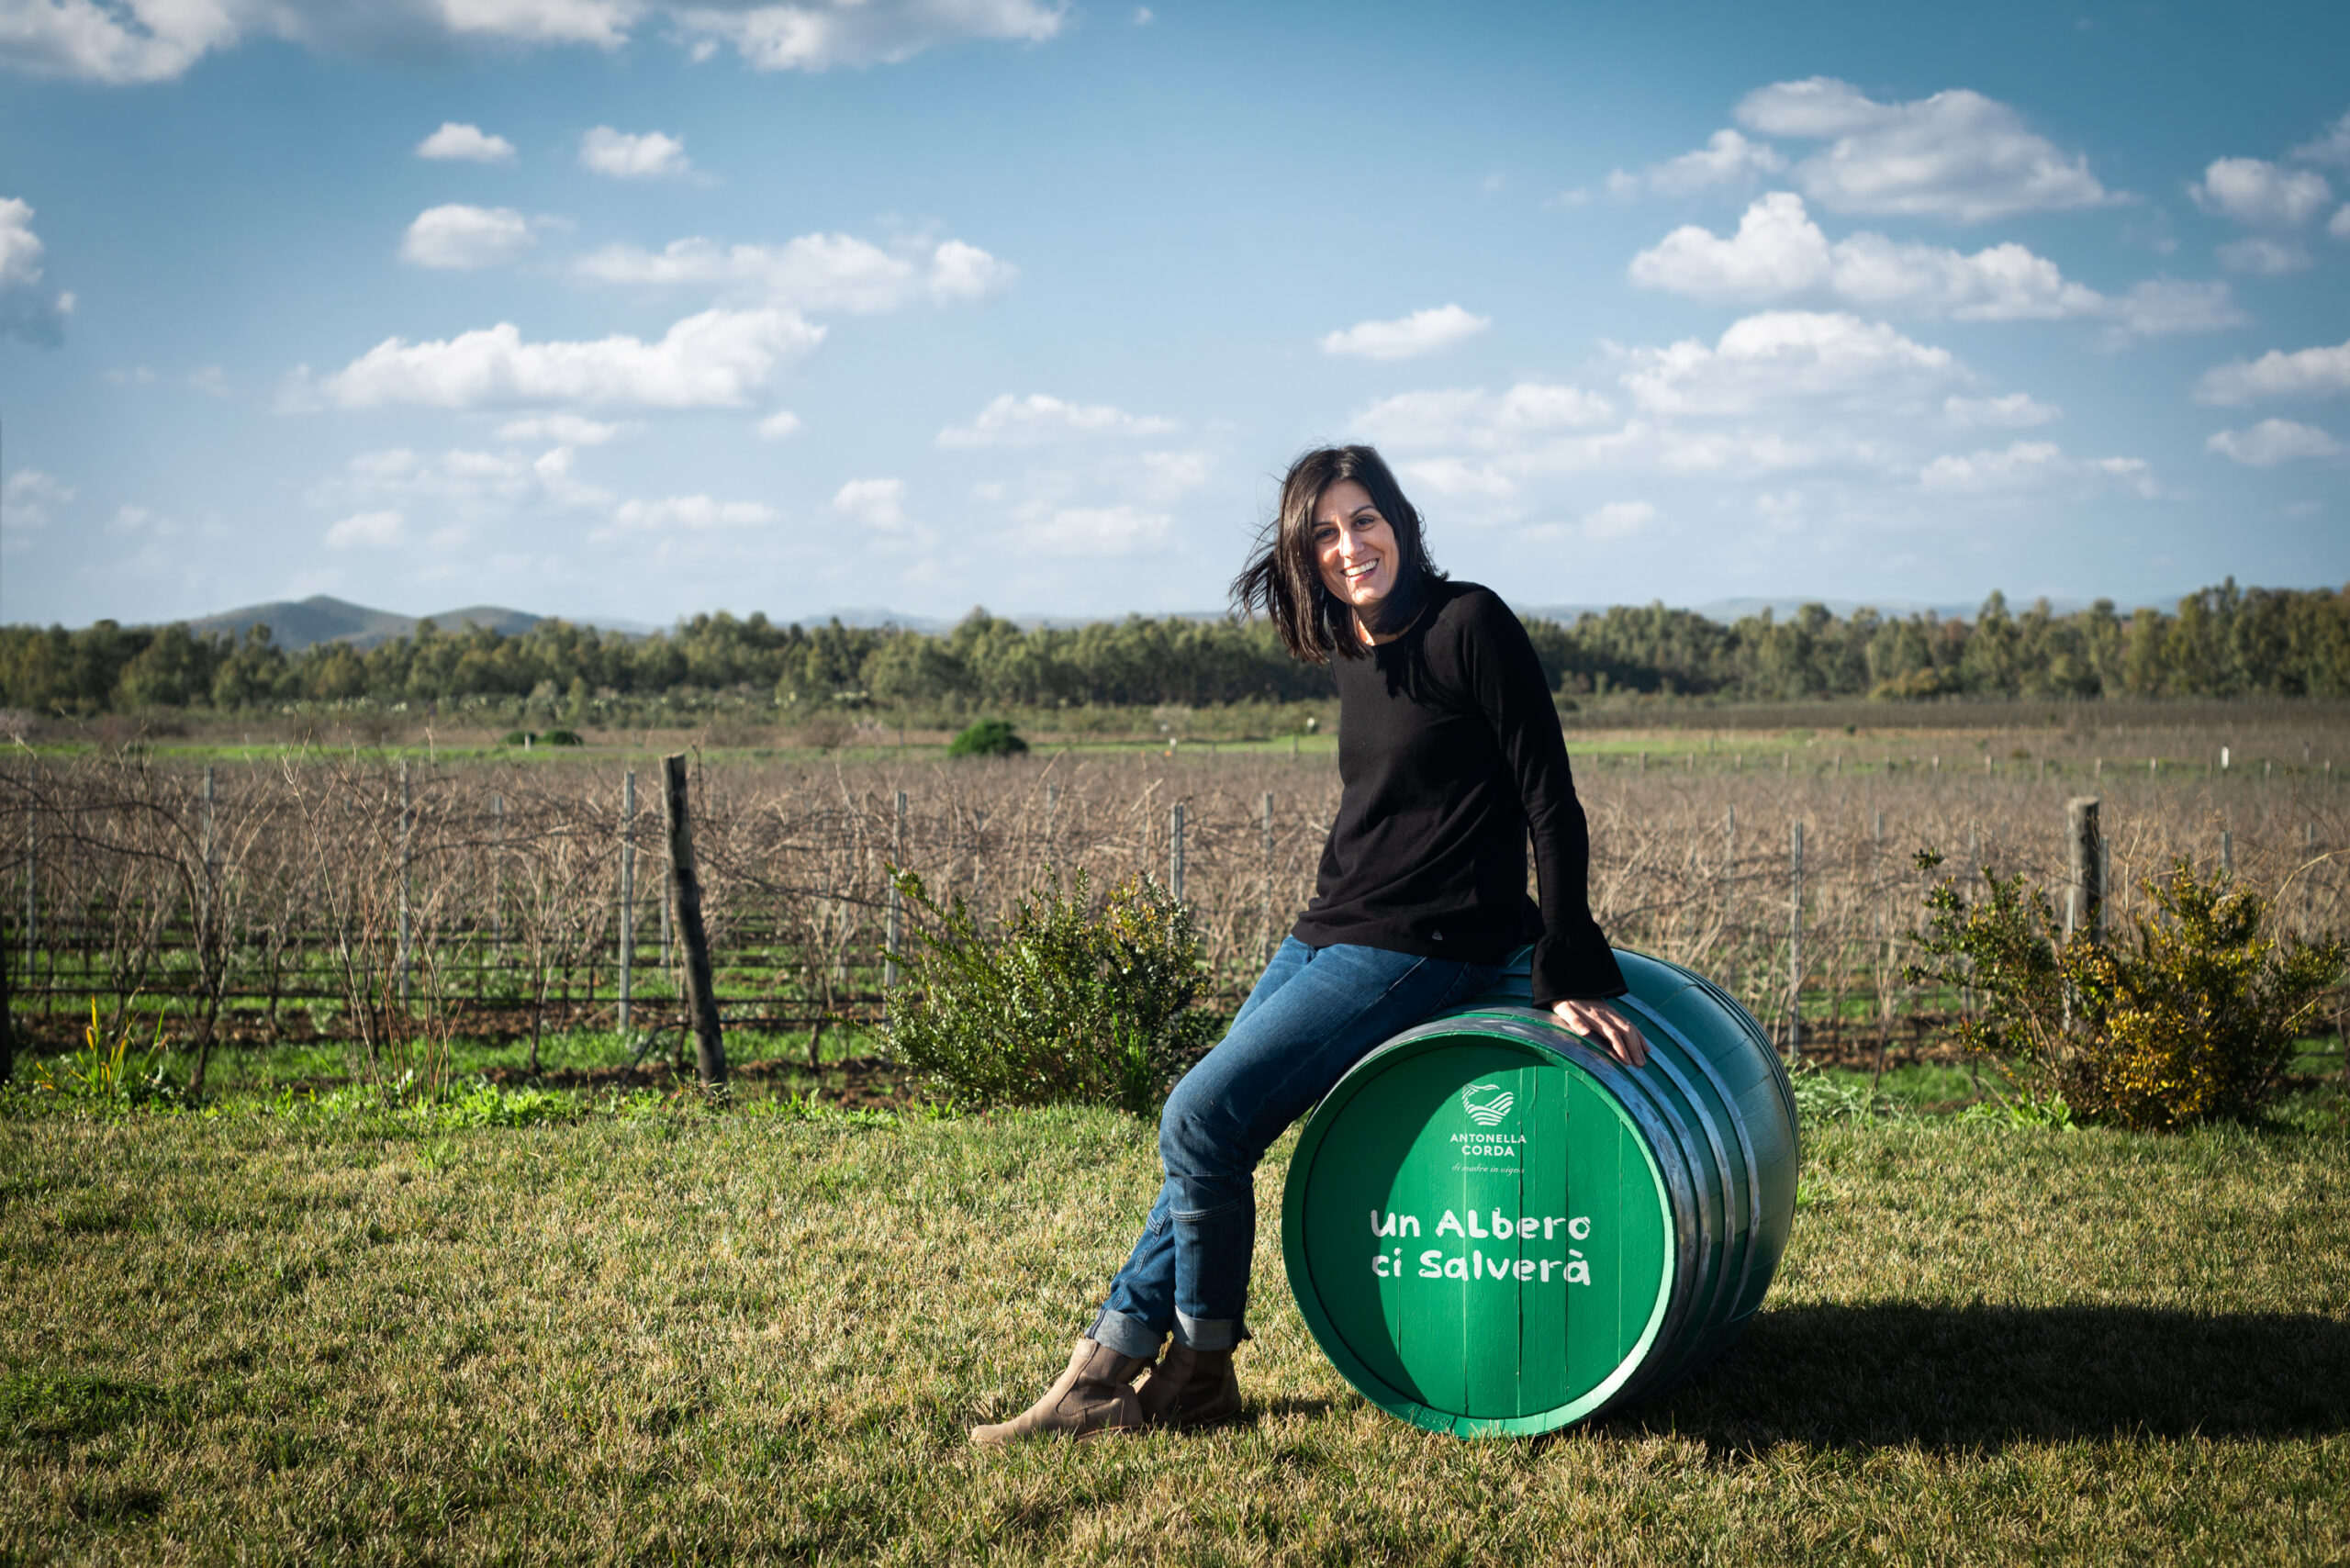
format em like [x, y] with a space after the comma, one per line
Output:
[1448, 751]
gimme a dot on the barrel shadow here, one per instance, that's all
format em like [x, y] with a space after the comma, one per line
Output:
[1975, 1377]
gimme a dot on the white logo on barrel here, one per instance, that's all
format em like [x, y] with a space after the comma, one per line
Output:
[1491, 1110]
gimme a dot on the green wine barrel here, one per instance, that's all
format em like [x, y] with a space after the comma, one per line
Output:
[1495, 1228]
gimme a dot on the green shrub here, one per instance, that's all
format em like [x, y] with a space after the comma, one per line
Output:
[103, 1074]
[2188, 1015]
[518, 737]
[561, 737]
[1064, 1005]
[989, 737]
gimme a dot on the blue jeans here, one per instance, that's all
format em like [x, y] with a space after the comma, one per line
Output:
[1315, 1013]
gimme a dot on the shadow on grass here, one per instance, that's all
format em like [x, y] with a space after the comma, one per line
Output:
[1890, 1375]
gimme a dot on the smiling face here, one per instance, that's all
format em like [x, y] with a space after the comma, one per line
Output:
[1355, 548]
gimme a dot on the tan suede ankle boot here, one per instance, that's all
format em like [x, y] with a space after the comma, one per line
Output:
[1091, 1396]
[1190, 1388]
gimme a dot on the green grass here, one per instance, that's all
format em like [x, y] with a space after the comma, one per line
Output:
[649, 1333]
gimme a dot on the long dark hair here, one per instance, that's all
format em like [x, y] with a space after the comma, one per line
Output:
[1284, 580]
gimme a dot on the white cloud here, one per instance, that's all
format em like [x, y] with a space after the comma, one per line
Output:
[26, 309]
[2162, 307]
[1779, 355]
[1478, 421]
[2016, 410]
[650, 156]
[460, 484]
[2331, 147]
[872, 503]
[817, 35]
[1724, 427]
[691, 513]
[965, 272]
[1827, 395]
[1041, 420]
[2026, 465]
[142, 40]
[814, 272]
[2260, 195]
[1095, 532]
[1421, 332]
[2272, 441]
[122, 42]
[1779, 252]
[2339, 224]
[1618, 520]
[2022, 465]
[568, 430]
[602, 24]
[1727, 159]
[29, 494]
[2308, 372]
[368, 531]
[779, 424]
[136, 520]
[21, 248]
[465, 144]
[2258, 253]
[715, 360]
[465, 237]
[1957, 155]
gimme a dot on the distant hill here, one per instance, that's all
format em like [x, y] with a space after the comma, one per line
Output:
[296, 624]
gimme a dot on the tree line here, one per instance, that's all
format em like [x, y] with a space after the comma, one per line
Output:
[2219, 642]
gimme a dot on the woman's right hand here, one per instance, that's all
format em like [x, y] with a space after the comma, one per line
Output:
[1601, 1024]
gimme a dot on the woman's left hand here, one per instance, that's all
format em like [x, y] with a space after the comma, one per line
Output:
[1598, 1022]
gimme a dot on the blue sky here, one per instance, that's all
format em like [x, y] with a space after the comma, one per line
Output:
[627, 308]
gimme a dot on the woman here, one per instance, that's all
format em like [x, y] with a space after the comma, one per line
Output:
[1449, 753]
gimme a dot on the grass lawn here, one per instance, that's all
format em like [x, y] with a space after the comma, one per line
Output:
[653, 1334]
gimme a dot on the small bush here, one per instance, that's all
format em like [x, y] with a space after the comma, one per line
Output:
[1065, 1005]
[561, 737]
[518, 737]
[103, 1074]
[2188, 1015]
[989, 737]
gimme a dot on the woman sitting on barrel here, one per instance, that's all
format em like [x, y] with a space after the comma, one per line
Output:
[1449, 752]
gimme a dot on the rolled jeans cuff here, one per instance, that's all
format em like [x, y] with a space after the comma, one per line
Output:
[1207, 1333]
[1127, 1335]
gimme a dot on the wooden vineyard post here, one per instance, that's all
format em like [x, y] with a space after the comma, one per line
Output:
[1795, 947]
[1175, 851]
[7, 1025]
[685, 896]
[2309, 888]
[1052, 811]
[628, 889]
[498, 871]
[2085, 849]
[407, 801]
[32, 884]
[894, 918]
